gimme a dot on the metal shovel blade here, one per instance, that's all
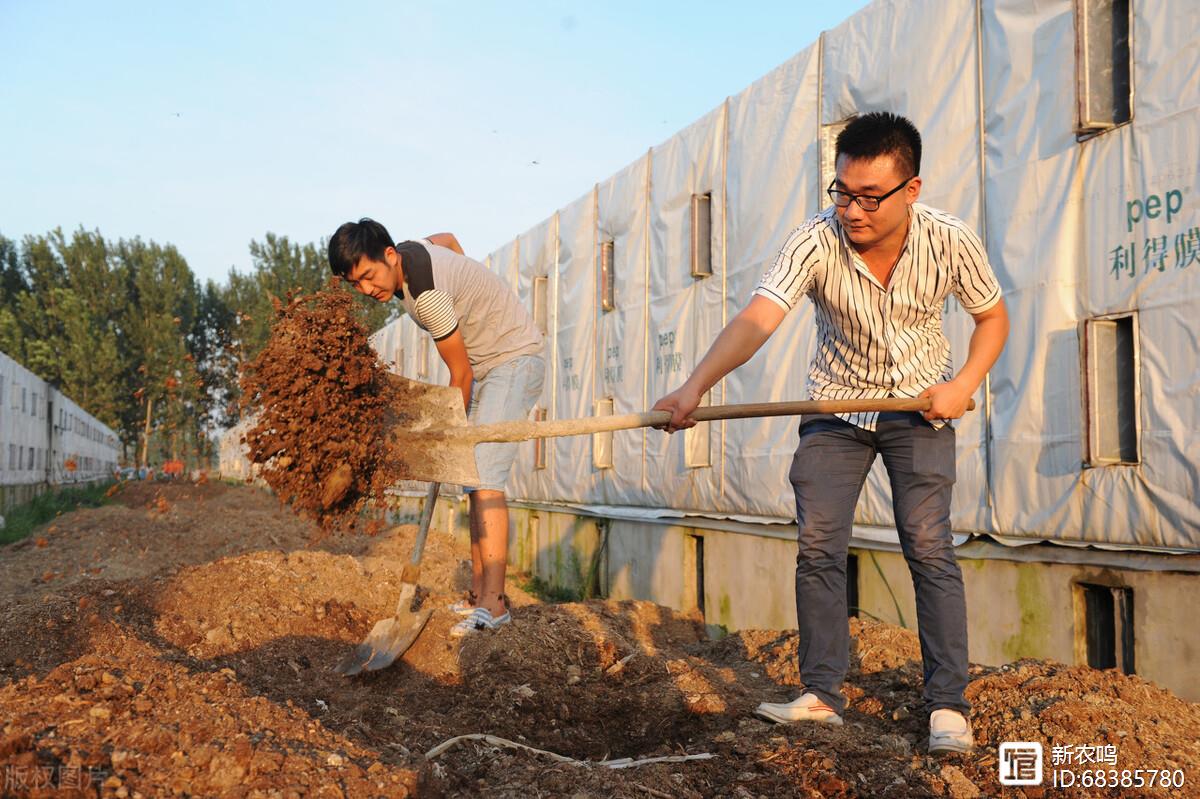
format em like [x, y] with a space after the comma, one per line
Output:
[388, 640]
[421, 443]
[391, 638]
[432, 457]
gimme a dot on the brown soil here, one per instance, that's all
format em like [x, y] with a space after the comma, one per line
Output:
[153, 653]
[321, 400]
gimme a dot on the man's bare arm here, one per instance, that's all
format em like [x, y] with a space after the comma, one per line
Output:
[446, 240]
[454, 353]
[735, 345]
[987, 342]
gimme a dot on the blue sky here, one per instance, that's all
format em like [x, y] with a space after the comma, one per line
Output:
[207, 125]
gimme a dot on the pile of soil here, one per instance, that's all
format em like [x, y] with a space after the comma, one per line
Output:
[321, 402]
[168, 672]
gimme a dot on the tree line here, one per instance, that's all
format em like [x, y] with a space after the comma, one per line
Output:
[126, 330]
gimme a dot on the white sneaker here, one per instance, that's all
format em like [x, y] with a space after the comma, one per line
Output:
[465, 607]
[480, 619]
[949, 732]
[809, 707]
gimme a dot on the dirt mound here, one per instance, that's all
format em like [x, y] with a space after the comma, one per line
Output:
[1069, 706]
[321, 400]
[874, 648]
[129, 719]
[172, 673]
[133, 536]
[600, 679]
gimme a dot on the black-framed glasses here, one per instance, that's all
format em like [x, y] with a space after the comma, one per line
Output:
[867, 202]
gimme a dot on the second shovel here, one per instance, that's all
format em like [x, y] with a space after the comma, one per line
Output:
[391, 638]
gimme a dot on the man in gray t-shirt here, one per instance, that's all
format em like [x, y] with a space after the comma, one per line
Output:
[493, 350]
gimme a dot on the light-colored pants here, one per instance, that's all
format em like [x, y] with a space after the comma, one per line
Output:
[506, 393]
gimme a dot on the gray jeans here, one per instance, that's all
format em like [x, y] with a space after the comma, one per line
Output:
[828, 472]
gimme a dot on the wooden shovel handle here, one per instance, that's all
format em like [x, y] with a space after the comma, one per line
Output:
[413, 569]
[754, 410]
[524, 431]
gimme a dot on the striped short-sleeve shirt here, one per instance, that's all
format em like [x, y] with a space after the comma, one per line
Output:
[875, 342]
[445, 292]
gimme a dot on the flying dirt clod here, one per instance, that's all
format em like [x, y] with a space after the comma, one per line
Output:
[321, 401]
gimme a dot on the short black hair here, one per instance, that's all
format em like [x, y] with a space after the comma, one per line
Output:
[354, 240]
[882, 133]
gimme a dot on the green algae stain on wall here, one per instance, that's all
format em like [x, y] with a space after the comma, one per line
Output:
[519, 555]
[724, 610]
[1032, 639]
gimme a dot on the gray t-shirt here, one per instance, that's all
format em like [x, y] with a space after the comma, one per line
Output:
[444, 291]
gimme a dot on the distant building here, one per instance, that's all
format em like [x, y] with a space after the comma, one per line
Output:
[46, 439]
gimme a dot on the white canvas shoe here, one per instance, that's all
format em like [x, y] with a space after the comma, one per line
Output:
[809, 707]
[949, 731]
[464, 607]
[480, 619]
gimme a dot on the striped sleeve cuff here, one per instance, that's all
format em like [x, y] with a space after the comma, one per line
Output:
[435, 312]
[773, 296]
[985, 305]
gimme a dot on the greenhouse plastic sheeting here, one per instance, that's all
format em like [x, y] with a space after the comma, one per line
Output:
[575, 347]
[233, 457]
[505, 262]
[772, 179]
[621, 334]
[1075, 227]
[388, 345]
[537, 253]
[82, 438]
[685, 311]
[42, 432]
[1072, 240]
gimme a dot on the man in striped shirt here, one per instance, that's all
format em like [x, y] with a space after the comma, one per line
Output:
[493, 350]
[878, 266]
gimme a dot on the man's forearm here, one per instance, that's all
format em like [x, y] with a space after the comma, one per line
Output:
[987, 341]
[464, 381]
[735, 345]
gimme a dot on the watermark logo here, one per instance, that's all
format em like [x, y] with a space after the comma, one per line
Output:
[1020, 763]
[1079, 766]
[64, 777]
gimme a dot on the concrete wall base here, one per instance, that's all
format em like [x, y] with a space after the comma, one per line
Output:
[740, 580]
[13, 495]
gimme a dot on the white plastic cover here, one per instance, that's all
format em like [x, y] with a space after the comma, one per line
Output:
[233, 457]
[772, 180]
[621, 333]
[537, 260]
[575, 348]
[80, 437]
[505, 262]
[1085, 229]
[685, 311]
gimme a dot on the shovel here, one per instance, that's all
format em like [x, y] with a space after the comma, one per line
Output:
[431, 438]
[391, 638]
